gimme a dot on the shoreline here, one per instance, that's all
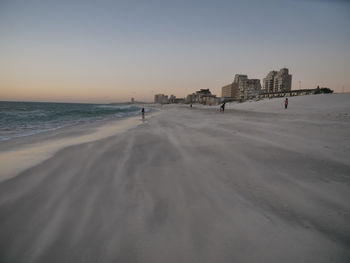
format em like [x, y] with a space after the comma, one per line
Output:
[19, 154]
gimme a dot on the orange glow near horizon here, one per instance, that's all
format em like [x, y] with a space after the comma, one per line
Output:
[75, 92]
[115, 50]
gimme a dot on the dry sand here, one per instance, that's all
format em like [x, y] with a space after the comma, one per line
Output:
[255, 184]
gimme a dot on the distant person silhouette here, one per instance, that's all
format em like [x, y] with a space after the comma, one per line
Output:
[222, 108]
[286, 103]
[143, 113]
[191, 105]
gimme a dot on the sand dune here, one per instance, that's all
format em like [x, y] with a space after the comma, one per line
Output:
[255, 184]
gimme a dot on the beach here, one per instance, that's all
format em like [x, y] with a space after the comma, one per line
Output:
[256, 183]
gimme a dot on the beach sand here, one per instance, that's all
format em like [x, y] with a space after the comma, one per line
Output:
[254, 184]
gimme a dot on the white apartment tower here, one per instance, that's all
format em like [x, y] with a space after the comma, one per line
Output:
[248, 88]
[278, 81]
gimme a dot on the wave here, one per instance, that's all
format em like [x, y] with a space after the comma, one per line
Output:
[19, 119]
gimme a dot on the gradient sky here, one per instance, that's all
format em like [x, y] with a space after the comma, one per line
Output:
[104, 51]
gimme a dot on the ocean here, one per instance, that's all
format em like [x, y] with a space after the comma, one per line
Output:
[19, 119]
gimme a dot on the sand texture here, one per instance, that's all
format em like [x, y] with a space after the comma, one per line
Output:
[255, 184]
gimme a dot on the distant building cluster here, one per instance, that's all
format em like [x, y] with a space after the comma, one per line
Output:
[202, 96]
[242, 88]
[279, 84]
[164, 99]
[275, 84]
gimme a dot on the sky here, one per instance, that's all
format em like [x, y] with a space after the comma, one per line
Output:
[109, 51]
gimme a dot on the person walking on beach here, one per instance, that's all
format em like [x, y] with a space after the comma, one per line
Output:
[286, 103]
[222, 108]
[143, 113]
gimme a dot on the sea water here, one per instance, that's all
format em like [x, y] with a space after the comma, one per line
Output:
[19, 119]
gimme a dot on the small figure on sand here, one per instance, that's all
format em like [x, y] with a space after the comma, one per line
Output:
[222, 107]
[143, 113]
[286, 103]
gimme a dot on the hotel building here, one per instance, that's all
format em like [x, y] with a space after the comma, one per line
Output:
[241, 88]
[277, 81]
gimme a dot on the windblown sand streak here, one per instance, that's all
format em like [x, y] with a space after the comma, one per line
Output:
[191, 185]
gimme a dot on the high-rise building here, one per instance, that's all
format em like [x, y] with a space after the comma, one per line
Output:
[230, 91]
[239, 78]
[161, 98]
[241, 88]
[190, 98]
[252, 88]
[269, 82]
[278, 81]
[247, 88]
[283, 80]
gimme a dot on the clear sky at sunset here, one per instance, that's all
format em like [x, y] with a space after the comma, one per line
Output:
[104, 51]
